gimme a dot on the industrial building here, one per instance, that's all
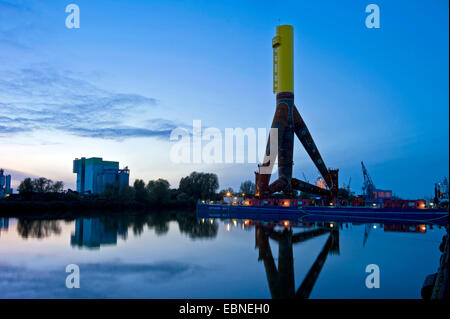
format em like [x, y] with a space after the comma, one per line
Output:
[380, 194]
[5, 184]
[93, 174]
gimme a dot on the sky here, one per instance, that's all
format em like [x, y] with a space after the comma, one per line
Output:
[135, 70]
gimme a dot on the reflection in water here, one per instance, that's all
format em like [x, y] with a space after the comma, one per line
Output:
[195, 228]
[174, 273]
[406, 228]
[98, 231]
[281, 280]
[4, 224]
[93, 232]
[29, 228]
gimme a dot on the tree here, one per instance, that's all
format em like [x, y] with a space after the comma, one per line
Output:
[247, 188]
[127, 194]
[225, 192]
[141, 193]
[199, 185]
[159, 192]
[111, 191]
[58, 187]
[26, 186]
[42, 185]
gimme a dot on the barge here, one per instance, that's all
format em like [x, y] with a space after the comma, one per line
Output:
[325, 213]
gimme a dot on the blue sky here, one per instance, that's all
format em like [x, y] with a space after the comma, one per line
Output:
[135, 70]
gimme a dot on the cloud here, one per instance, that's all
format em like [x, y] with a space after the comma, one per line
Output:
[97, 280]
[118, 133]
[41, 97]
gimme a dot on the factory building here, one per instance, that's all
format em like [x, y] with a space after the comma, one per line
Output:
[93, 174]
[5, 184]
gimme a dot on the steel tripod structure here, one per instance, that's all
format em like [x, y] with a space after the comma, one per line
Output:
[287, 122]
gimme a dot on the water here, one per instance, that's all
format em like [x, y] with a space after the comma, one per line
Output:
[154, 256]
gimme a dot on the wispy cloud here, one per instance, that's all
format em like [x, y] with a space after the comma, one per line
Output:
[41, 97]
[98, 280]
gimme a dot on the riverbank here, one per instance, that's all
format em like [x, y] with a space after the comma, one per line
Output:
[82, 207]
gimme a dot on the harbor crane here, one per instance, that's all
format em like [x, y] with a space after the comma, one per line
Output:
[368, 186]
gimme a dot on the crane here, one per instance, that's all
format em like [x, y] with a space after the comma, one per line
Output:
[368, 186]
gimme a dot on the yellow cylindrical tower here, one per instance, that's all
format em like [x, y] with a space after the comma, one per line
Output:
[283, 59]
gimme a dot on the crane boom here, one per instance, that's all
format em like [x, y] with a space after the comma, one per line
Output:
[368, 187]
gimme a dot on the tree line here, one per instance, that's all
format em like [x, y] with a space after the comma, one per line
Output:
[40, 185]
[196, 186]
[158, 192]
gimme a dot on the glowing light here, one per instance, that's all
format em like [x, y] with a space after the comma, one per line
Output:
[423, 228]
[228, 227]
[235, 222]
[228, 194]
[286, 223]
[331, 225]
[374, 226]
[211, 221]
[247, 222]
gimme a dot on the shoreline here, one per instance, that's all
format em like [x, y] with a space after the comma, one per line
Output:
[82, 208]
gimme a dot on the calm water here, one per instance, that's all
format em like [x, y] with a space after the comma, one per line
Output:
[150, 256]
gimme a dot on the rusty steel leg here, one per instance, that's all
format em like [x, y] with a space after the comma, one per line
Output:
[309, 188]
[302, 132]
[334, 173]
[278, 186]
[285, 125]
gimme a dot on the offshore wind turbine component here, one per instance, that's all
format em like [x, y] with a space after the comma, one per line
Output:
[288, 121]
